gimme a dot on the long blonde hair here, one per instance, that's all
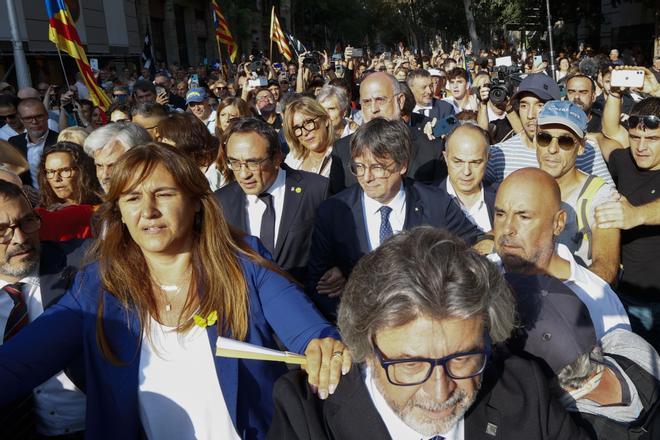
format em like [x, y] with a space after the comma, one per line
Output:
[312, 108]
[216, 271]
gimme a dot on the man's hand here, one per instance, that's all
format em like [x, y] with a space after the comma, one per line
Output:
[617, 213]
[327, 360]
[331, 283]
[428, 128]
[163, 98]
[485, 247]
[650, 86]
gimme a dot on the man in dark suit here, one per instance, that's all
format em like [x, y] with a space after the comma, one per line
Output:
[268, 195]
[466, 155]
[422, 317]
[421, 84]
[36, 138]
[59, 408]
[381, 97]
[360, 218]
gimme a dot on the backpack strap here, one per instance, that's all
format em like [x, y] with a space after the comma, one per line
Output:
[583, 207]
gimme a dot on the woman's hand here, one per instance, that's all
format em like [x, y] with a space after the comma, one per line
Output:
[327, 360]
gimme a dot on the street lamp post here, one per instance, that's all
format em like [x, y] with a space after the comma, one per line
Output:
[22, 71]
[552, 50]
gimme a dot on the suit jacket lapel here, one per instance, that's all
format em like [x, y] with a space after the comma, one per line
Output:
[292, 201]
[227, 371]
[414, 207]
[357, 209]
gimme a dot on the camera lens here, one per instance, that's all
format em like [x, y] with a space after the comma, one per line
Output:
[497, 95]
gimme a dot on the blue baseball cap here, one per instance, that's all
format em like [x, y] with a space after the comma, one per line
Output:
[196, 94]
[543, 86]
[564, 113]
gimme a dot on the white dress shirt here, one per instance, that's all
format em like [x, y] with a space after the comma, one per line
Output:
[422, 110]
[179, 394]
[6, 132]
[397, 428]
[34, 153]
[477, 213]
[371, 209]
[58, 404]
[605, 308]
[211, 121]
[255, 207]
[471, 105]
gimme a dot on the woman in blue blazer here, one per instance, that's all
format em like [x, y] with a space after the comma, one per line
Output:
[170, 277]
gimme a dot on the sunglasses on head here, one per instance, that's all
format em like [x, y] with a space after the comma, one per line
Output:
[646, 121]
[565, 141]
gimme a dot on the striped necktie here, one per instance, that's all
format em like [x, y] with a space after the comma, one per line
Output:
[18, 317]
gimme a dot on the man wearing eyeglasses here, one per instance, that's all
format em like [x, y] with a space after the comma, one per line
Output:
[269, 199]
[33, 275]
[11, 123]
[266, 105]
[636, 211]
[383, 203]
[38, 136]
[422, 316]
[559, 139]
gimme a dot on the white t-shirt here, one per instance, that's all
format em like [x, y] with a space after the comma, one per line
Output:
[179, 394]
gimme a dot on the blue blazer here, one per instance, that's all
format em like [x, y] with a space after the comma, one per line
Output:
[68, 329]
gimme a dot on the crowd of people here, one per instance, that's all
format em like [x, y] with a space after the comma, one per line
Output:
[457, 246]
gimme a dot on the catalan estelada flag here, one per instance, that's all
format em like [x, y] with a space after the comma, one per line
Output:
[62, 31]
[222, 32]
[277, 35]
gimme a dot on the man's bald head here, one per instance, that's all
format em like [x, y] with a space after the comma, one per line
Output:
[381, 97]
[528, 218]
[28, 92]
[466, 156]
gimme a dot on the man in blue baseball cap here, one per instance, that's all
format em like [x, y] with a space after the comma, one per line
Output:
[518, 150]
[198, 104]
[559, 140]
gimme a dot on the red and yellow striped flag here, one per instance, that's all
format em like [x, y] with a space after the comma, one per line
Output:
[222, 32]
[62, 31]
[277, 35]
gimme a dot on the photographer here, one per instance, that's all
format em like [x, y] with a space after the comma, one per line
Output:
[492, 114]
[164, 95]
[71, 112]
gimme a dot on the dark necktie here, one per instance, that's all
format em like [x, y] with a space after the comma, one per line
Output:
[385, 226]
[437, 437]
[267, 233]
[18, 316]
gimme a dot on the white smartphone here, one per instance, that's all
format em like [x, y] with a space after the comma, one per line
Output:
[627, 78]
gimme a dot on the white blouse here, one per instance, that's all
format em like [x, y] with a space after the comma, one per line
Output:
[179, 393]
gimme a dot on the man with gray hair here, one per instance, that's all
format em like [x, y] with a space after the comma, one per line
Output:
[106, 144]
[422, 316]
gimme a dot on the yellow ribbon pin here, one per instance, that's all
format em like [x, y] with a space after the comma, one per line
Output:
[210, 320]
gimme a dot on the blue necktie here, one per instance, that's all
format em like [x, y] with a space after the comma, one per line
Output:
[437, 437]
[385, 226]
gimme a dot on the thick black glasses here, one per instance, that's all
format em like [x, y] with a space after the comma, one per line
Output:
[308, 125]
[565, 141]
[415, 371]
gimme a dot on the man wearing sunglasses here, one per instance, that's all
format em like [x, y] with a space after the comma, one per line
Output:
[33, 275]
[636, 211]
[422, 316]
[559, 140]
[11, 123]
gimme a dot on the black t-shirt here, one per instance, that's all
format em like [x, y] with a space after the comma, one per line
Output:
[277, 123]
[640, 246]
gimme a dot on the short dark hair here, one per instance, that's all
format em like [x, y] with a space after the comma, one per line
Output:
[383, 138]
[647, 107]
[254, 125]
[409, 102]
[582, 75]
[457, 72]
[7, 100]
[417, 73]
[144, 86]
[11, 191]
[148, 109]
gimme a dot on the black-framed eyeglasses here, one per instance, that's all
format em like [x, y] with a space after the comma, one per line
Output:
[307, 125]
[377, 170]
[565, 141]
[62, 172]
[33, 119]
[28, 224]
[416, 371]
[650, 122]
[251, 164]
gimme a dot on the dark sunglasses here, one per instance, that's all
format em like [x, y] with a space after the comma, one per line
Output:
[5, 117]
[648, 121]
[564, 141]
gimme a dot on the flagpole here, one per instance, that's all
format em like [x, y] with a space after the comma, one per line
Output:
[59, 54]
[219, 54]
[272, 19]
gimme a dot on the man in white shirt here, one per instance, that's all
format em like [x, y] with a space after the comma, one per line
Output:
[32, 276]
[9, 116]
[528, 220]
[421, 316]
[466, 156]
[458, 85]
[198, 104]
